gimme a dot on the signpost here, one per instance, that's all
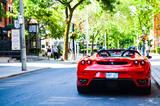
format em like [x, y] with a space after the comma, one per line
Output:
[16, 24]
[15, 39]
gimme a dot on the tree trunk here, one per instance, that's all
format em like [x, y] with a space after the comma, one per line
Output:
[69, 13]
[66, 37]
[94, 36]
[92, 47]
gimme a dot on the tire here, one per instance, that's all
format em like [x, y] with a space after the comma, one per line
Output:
[146, 90]
[82, 90]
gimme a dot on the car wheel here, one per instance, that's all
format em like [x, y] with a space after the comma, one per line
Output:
[82, 90]
[146, 90]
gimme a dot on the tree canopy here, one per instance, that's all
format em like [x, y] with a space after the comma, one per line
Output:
[118, 22]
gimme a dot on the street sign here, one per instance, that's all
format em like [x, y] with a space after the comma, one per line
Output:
[15, 39]
[20, 19]
[16, 24]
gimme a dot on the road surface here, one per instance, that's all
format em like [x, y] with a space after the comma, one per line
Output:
[57, 86]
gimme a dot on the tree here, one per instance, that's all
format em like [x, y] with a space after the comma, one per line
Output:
[69, 9]
[46, 14]
[70, 6]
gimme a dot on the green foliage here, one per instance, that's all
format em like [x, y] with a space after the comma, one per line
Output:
[108, 5]
[34, 50]
[60, 51]
[89, 50]
[158, 50]
[1, 12]
[153, 51]
[46, 14]
[120, 20]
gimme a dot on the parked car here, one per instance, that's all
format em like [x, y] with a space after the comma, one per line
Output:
[114, 69]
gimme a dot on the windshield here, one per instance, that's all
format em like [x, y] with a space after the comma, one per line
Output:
[118, 53]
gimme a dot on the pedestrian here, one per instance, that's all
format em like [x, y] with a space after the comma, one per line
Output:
[147, 50]
[49, 52]
[55, 52]
[139, 47]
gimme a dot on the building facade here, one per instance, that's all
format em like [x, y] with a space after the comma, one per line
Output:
[156, 31]
[6, 24]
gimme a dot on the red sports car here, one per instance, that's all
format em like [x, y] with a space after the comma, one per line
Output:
[118, 68]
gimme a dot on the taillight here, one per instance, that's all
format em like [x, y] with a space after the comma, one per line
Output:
[82, 62]
[89, 62]
[142, 62]
[136, 62]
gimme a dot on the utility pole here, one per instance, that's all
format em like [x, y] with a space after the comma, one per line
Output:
[73, 41]
[22, 36]
[87, 35]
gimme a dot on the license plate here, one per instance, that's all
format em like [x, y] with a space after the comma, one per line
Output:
[112, 75]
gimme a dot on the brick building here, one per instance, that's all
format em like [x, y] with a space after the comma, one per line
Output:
[6, 24]
[156, 31]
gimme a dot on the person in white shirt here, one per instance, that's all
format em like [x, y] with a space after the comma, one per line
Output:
[55, 52]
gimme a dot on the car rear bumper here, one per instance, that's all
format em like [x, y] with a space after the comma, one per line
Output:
[138, 78]
[114, 83]
[110, 84]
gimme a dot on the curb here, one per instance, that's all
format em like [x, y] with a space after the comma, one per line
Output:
[156, 79]
[26, 72]
[156, 82]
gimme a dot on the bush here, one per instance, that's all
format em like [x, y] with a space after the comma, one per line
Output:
[34, 50]
[89, 50]
[153, 51]
[158, 50]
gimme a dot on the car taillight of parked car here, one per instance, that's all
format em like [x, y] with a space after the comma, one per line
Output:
[136, 62]
[142, 62]
[82, 62]
[89, 62]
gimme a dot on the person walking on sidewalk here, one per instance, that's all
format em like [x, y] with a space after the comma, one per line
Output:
[55, 52]
[147, 50]
[49, 52]
[140, 47]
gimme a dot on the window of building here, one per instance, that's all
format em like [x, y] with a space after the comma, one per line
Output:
[9, 8]
[43, 46]
[12, 20]
[9, 20]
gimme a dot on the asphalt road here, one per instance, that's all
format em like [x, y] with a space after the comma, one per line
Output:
[57, 86]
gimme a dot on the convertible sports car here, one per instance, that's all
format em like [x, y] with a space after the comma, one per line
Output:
[119, 69]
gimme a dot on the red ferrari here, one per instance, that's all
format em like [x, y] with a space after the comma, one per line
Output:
[118, 68]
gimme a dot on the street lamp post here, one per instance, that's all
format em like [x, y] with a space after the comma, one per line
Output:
[22, 34]
[143, 41]
[33, 29]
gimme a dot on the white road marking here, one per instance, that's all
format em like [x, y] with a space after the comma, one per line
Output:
[64, 100]
[14, 83]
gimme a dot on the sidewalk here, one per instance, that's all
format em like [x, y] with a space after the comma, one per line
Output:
[14, 69]
[155, 63]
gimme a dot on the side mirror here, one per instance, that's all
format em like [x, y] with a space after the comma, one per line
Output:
[149, 57]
